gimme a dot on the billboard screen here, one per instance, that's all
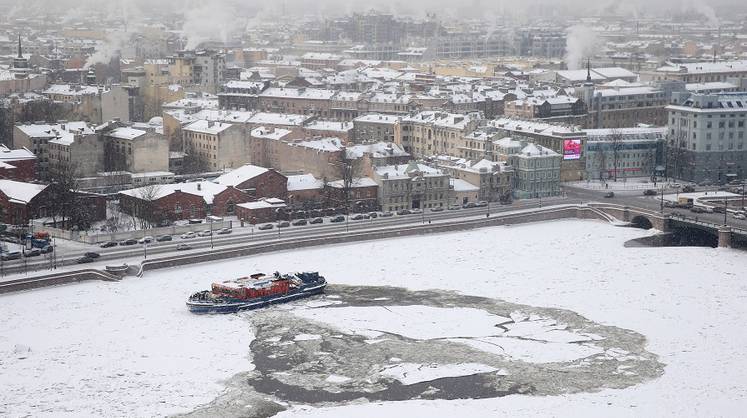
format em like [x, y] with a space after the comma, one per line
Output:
[571, 149]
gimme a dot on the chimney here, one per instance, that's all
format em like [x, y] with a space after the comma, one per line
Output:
[210, 123]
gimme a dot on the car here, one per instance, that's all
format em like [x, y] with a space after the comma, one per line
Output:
[697, 209]
[283, 224]
[609, 195]
[438, 209]
[316, 221]
[337, 219]
[13, 255]
[719, 209]
[205, 233]
[109, 244]
[164, 223]
[130, 241]
[145, 240]
[224, 231]
[669, 204]
[650, 192]
[84, 259]
[265, 227]
[194, 221]
[481, 204]
[32, 253]
[688, 189]
[358, 217]
[188, 235]
[403, 212]
[163, 238]
[183, 247]
[373, 215]
[92, 254]
[386, 214]
[300, 222]
[47, 249]
[469, 205]
[739, 215]
[415, 212]
[454, 207]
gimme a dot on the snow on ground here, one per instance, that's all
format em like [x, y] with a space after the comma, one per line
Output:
[699, 195]
[637, 183]
[132, 349]
[410, 373]
[115, 349]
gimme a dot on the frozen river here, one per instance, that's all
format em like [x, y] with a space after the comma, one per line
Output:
[644, 331]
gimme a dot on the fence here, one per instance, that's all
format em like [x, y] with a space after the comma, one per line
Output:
[85, 237]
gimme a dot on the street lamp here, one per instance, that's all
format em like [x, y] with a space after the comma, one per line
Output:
[726, 207]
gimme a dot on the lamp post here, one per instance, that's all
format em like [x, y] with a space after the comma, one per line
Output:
[726, 207]
[662, 199]
[211, 232]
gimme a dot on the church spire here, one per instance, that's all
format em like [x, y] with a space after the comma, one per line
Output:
[19, 46]
[588, 70]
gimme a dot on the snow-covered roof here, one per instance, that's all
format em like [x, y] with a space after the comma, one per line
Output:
[402, 171]
[377, 150]
[71, 90]
[707, 67]
[378, 118]
[125, 133]
[205, 189]
[356, 182]
[298, 93]
[55, 130]
[265, 118]
[7, 154]
[460, 185]
[263, 204]
[323, 144]
[328, 125]
[20, 192]
[267, 133]
[304, 182]
[240, 175]
[207, 127]
[534, 151]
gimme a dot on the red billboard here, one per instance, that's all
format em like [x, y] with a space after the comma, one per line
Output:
[571, 149]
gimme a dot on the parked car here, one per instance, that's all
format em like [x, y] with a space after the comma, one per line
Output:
[109, 244]
[650, 192]
[183, 247]
[403, 212]
[316, 221]
[35, 252]
[386, 214]
[13, 255]
[92, 254]
[469, 205]
[188, 235]
[481, 204]
[688, 189]
[438, 209]
[205, 233]
[164, 238]
[697, 209]
[47, 249]
[224, 231]
[283, 224]
[609, 195]
[373, 215]
[300, 222]
[669, 204]
[337, 219]
[718, 209]
[415, 211]
[84, 259]
[195, 221]
[358, 217]
[454, 207]
[265, 227]
[131, 241]
[145, 240]
[739, 215]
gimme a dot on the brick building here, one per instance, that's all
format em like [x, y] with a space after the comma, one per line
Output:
[17, 164]
[256, 181]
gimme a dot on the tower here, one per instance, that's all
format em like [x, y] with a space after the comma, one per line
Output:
[20, 66]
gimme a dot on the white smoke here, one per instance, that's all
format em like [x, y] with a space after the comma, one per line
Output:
[212, 21]
[581, 43]
[700, 7]
[108, 49]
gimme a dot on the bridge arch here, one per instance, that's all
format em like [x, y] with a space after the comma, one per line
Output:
[640, 221]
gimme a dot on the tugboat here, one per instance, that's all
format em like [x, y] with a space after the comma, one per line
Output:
[256, 291]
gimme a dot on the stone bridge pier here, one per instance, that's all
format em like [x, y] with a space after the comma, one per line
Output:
[724, 237]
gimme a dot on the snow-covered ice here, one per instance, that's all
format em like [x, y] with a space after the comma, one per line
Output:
[132, 349]
[409, 373]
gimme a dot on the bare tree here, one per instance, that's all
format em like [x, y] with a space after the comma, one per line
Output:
[617, 144]
[62, 193]
[675, 153]
[143, 210]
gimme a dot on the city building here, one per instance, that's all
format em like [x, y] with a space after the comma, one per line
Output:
[256, 181]
[215, 145]
[411, 186]
[625, 152]
[706, 137]
[536, 172]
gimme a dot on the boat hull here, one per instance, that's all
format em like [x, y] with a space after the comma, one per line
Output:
[206, 307]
